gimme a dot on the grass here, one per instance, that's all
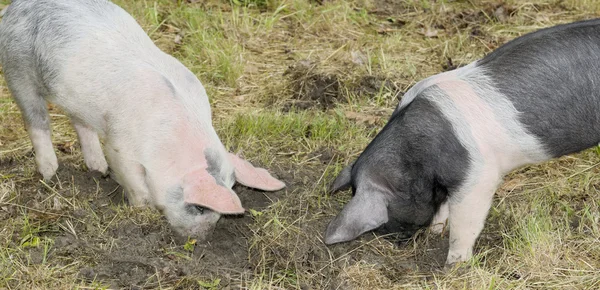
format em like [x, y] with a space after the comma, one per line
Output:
[301, 87]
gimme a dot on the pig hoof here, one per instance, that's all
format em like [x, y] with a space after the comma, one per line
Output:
[137, 201]
[99, 165]
[437, 229]
[460, 268]
[448, 268]
[47, 166]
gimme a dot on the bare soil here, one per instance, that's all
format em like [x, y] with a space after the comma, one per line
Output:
[137, 250]
[132, 252]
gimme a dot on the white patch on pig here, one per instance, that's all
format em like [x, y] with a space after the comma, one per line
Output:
[487, 125]
[422, 85]
[469, 204]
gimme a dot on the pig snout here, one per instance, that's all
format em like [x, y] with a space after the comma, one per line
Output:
[402, 231]
[192, 221]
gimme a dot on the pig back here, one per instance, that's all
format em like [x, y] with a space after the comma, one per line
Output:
[551, 77]
[42, 34]
[92, 59]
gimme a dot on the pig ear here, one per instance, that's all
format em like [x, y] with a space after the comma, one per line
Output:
[342, 181]
[360, 215]
[201, 188]
[251, 176]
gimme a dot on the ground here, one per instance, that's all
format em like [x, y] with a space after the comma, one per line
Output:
[300, 87]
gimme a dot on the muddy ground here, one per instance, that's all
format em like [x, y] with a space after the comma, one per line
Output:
[138, 250]
[136, 253]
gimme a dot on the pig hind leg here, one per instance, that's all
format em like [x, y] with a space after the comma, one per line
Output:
[35, 115]
[90, 147]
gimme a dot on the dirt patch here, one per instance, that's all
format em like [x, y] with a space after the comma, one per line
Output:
[390, 7]
[471, 17]
[473, 20]
[90, 223]
[448, 20]
[325, 155]
[485, 12]
[370, 86]
[143, 253]
[314, 89]
[311, 88]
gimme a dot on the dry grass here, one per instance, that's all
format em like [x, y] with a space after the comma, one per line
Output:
[301, 86]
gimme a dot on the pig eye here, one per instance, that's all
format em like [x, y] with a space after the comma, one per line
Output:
[200, 209]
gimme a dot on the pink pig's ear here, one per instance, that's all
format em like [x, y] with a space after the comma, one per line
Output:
[251, 176]
[201, 188]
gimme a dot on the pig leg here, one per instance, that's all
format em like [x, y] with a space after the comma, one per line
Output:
[467, 217]
[90, 147]
[129, 174]
[137, 190]
[439, 220]
[35, 116]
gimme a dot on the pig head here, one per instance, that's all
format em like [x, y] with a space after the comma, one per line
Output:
[401, 179]
[194, 203]
[182, 168]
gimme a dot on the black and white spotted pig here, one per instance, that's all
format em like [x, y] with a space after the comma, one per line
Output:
[454, 135]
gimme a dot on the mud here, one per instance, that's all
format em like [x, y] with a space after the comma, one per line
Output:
[132, 251]
[311, 88]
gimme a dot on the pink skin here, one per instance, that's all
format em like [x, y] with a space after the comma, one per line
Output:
[250, 176]
[182, 162]
[491, 137]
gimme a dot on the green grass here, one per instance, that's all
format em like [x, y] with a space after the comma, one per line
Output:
[261, 62]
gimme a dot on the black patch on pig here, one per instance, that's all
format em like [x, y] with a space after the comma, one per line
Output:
[418, 160]
[551, 76]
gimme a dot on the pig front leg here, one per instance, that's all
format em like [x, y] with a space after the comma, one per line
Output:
[439, 220]
[90, 147]
[467, 214]
[130, 174]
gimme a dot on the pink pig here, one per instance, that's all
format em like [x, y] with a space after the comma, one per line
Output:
[95, 62]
